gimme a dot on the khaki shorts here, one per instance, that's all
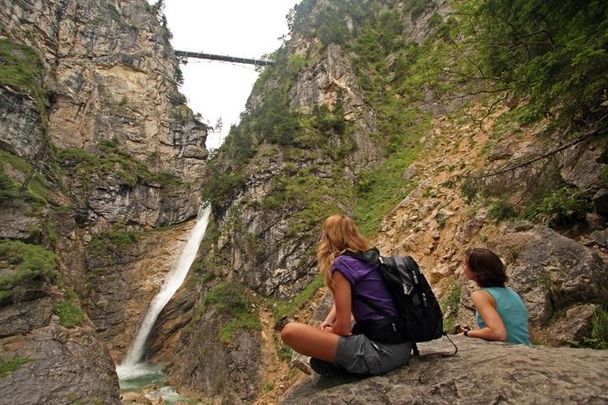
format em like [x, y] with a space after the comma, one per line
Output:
[359, 355]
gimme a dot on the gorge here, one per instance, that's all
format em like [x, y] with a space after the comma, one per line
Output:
[437, 125]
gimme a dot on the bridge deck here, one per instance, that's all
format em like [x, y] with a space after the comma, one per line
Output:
[225, 58]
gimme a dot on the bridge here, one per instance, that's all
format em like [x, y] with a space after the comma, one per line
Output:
[224, 58]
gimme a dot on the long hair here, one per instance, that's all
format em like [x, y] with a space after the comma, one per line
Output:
[340, 233]
[486, 266]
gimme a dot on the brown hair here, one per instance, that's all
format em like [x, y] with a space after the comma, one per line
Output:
[340, 233]
[486, 266]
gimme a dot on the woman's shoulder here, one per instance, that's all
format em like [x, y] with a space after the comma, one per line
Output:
[344, 261]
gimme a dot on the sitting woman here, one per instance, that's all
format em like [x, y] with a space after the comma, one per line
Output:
[501, 314]
[348, 278]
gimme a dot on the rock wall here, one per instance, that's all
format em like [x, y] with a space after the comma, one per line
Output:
[115, 153]
[112, 75]
[481, 373]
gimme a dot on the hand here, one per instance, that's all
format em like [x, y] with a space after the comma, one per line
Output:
[325, 325]
[465, 331]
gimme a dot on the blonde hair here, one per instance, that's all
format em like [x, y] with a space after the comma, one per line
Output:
[340, 233]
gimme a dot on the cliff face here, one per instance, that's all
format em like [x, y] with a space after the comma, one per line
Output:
[379, 111]
[97, 148]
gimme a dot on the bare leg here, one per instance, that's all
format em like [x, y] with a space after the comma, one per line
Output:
[311, 341]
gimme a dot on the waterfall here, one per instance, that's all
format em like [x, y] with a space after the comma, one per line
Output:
[128, 368]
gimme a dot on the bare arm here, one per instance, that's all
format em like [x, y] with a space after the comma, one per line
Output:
[329, 319]
[495, 328]
[342, 303]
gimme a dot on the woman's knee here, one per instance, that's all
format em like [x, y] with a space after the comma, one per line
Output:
[289, 331]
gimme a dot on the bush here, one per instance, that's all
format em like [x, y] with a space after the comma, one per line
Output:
[30, 261]
[560, 208]
[70, 314]
[232, 300]
[552, 51]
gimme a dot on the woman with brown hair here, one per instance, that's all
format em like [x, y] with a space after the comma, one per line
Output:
[501, 314]
[348, 278]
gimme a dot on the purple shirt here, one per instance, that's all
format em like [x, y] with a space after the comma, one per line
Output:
[365, 280]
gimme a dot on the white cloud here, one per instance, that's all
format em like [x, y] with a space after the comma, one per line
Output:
[229, 27]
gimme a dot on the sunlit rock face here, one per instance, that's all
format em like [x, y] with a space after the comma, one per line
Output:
[113, 77]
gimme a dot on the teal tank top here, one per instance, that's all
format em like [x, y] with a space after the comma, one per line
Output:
[513, 312]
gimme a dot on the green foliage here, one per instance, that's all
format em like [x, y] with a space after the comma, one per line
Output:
[599, 330]
[560, 208]
[236, 304]
[37, 191]
[30, 262]
[69, 311]
[111, 159]
[501, 210]
[8, 366]
[118, 237]
[552, 51]
[289, 307]
[449, 307]
[22, 69]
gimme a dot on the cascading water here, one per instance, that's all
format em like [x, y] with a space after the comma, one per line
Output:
[131, 366]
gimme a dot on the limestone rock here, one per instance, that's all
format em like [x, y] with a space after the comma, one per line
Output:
[439, 272]
[580, 165]
[551, 271]
[574, 326]
[410, 172]
[23, 317]
[481, 373]
[20, 127]
[600, 202]
[500, 151]
[600, 237]
[205, 364]
[65, 366]
[121, 285]
[16, 222]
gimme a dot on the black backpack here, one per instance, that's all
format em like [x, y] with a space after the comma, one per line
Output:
[420, 316]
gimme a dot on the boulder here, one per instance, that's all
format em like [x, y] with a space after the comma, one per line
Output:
[481, 373]
[63, 366]
[550, 271]
[574, 326]
[600, 202]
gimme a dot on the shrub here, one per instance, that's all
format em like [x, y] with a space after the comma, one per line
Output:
[30, 261]
[231, 299]
[560, 208]
[70, 314]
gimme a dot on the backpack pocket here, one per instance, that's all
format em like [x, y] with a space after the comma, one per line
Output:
[387, 330]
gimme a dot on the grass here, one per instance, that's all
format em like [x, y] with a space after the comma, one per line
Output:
[69, 311]
[22, 69]
[291, 306]
[8, 366]
[37, 191]
[30, 262]
[449, 306]
[118, 237]
[380, 190]
[112, 158]
[235, 303]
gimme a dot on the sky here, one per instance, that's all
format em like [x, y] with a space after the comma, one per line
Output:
[243, 28]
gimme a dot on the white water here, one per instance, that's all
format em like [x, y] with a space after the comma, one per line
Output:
[130, 366]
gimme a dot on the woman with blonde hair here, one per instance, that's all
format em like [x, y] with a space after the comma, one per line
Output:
[332, 346]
